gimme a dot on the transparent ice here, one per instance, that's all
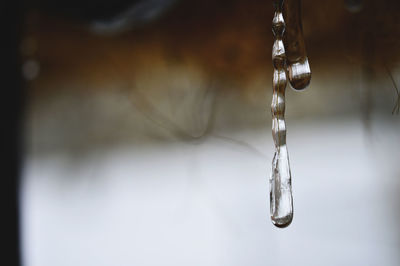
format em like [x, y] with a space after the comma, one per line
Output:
[297, 62]
[280, 182]
[290, 61]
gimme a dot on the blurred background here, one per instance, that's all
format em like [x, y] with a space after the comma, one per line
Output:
[147, 134]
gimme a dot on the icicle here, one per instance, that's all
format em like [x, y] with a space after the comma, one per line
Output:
[298, 67]
[280, 181]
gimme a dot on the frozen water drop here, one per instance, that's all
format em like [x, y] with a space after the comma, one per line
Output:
[281, 189]
[297, 61]
[299, 74]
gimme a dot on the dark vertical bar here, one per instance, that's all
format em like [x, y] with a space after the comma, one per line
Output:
[11, 106]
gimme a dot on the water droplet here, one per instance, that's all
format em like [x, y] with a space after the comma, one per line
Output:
[293, 39]
[299, 74]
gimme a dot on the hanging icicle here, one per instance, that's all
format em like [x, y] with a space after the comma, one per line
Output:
[297, 62]
[281, 201]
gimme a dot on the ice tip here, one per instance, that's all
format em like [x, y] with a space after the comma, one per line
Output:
[282, 222]
[299, 75]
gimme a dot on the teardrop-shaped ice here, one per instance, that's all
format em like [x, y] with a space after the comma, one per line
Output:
[281, 189]
[293, 39]
[299, 74]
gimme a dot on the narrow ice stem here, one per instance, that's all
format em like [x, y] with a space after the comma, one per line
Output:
[281, 203]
